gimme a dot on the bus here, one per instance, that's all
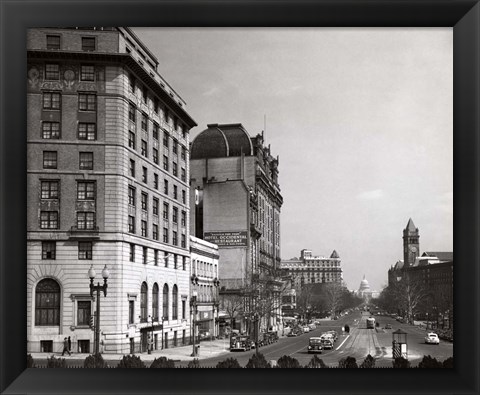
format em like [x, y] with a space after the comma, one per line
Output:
[370, 323]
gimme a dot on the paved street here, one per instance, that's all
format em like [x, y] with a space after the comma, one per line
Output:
[358, 344]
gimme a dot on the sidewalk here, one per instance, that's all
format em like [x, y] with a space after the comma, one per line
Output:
[208, 349]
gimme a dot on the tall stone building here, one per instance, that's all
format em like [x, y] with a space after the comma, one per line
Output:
[236, 203]
[411, 244]
[108, 171]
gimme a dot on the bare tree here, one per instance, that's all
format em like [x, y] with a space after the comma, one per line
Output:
[409, 292]
[333, 296]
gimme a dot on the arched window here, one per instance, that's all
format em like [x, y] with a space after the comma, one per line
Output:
[47, 303]
[155, 302]
[175, 303]
[143, 302]
[165, 302]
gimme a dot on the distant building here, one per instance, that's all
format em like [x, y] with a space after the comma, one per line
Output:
[364, 290]
[434, 270]
[310, 269]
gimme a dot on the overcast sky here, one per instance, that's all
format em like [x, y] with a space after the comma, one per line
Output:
[360, 118]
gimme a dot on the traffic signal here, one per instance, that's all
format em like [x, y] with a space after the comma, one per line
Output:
[91, 322]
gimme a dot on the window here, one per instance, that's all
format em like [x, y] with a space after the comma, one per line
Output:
[132, 168]
[131, 82]
[47, 303]
[165, 240]
[144, 255]
[131, 224]
[86, 131]
[184, 197]
[53, 42]
[175, 215]
[86, 160]
[132, 252]
[52, 72]
[87, 73]
[155, 206]
[145, 94]
[155, 131]
[155, 181]
[165, 162]
[155, 232]
[144, 174]
[155, 105]
[51, 100]
[184, 261]
[131, 312]
[184, 131]
[165, 302]
[174, 238]
[48, 219]
[175, 169]
[155, 156]
[183, 176]
[85, 190]
[144, 122]
[84, 311]
[131, 139]
[85, 250]
[85, 220]
[88, 43]
[165, 211]
[175, 261]
[183, 242]
[165, 139]
[183, 153]
[175, 303]
[143, 302]
[155, 292]
[175, 122]
[175, 192]
[49, 189]
[144, 148]
[183, 316]
[183, 218]
[49, 159]
[87, 101]
[131, 196]
[144, 201]
[143, 228]
[48, 249]
[165, 187]
[175, 146]
[132, 112]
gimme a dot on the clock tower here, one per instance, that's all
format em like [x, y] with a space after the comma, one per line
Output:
[411, 244]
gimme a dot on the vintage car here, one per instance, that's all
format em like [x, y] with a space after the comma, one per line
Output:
[315, 345]
[240, 343]
[432, 338]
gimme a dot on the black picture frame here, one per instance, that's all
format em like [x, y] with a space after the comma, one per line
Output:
[17, 16]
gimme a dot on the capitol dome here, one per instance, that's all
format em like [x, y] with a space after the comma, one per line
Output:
[364, 286]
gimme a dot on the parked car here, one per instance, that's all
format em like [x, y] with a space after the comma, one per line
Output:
[327, 343]
[432, 338]
[242, 343]
[388, 326]
[293, 333]
[315, 345]
[306, 329]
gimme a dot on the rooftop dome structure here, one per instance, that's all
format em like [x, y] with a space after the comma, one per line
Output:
[364, 286]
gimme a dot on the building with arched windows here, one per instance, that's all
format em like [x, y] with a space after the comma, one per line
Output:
[107, 174]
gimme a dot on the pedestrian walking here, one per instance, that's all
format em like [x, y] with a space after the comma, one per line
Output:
[69, 344]
[65, 347]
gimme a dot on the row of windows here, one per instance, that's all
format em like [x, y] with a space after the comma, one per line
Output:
[155, 232]
[144, 179]
[86, 190]
[85, 250]
[53, 41]
[161, 111]
[48, 295]
[157, 257]
[85, 220]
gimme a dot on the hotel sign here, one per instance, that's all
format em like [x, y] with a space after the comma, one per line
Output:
[227, 239]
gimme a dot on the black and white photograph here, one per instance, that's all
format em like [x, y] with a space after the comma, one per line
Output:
[239, 197]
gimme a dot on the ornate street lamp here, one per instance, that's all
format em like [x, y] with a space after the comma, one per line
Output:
[193, 308]
[98, 288]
